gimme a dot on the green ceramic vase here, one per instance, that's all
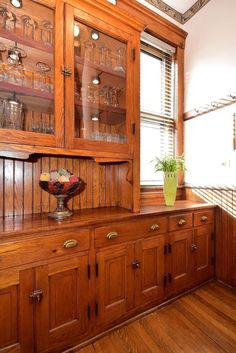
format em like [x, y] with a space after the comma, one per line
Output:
[170, 187]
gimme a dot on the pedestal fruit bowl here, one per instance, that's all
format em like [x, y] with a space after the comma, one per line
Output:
[62, 184]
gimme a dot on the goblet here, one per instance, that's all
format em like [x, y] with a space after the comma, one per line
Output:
[43, 82]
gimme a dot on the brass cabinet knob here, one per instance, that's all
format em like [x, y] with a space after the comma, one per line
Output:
[204, 218]
[154, 227]
[70, 243]
[182, 222]
[136, 264]
[112, 235]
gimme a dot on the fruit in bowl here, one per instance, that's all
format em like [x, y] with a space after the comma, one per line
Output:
[61, 183]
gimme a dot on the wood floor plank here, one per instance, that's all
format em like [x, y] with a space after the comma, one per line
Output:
[215, 326]
[201, 322]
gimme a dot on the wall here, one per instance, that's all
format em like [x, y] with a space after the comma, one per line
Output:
[210, 74]
[210, 65]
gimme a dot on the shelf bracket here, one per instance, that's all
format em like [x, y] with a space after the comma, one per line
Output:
[129, 175]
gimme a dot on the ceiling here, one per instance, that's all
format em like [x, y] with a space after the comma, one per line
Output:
[179, 10]
[181, 6]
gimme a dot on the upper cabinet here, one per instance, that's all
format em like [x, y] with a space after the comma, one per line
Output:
[27, 75]
[67, 77]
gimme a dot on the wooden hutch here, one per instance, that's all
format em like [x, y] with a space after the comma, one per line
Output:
[75, 81]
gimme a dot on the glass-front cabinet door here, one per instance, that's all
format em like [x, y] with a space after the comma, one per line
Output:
[100, 73]
[27, 74]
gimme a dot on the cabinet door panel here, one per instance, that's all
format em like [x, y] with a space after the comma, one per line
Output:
[181, 260]
[16, 312]
[114, 282]
[203, 254]
[61, 316]
[149, 277]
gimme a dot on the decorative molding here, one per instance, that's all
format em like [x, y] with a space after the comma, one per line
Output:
[176, 15]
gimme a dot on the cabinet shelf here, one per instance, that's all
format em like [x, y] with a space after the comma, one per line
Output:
[26, 41]
[100, 107]
[99, 68]
[25, 91]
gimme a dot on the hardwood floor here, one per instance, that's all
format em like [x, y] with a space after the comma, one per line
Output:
[201, 322]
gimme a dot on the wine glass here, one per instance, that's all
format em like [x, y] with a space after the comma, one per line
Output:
[90, 51]
[7, 17]
[43, 82]
[119, 67]
[47, 33]
[29, 26]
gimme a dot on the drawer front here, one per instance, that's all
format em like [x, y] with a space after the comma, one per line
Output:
[116, 233]
[180, 221]
[203, 217]
[43, 248]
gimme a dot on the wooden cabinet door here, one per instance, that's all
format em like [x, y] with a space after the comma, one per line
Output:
[203, 253]
[16, 311]
[181, 261]
[61, 316]
[149, 275]
[114, 282]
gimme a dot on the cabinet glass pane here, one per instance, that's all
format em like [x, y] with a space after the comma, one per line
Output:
[100, 85]
[26, 67]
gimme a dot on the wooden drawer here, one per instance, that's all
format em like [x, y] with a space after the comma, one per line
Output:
[116, 233]
[43, 248]
[203, 217]
[180, 221]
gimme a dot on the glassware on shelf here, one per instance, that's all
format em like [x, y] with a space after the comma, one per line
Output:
[15, 75]
[114, 96]
[108, 58]
[13, 113]
[102, 56]
[15, 55]
[119, 66]
[29, 26]
[42, 82]
[2, 103]
[90, 51]
[47, 33]
[7, 19]
[104, 95]
[3, 74]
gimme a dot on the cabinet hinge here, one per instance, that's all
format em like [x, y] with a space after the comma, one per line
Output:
[212, 260]
[134, 54]
[89, 271]
[165, 280]
[170, 277]
[66, 71]
[96, 269]
[133, 128]
[212, 236]
[96, 309]
[169, 248]
[89, 312]
[165, 249]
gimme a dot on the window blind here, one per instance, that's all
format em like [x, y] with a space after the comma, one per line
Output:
[158, 105]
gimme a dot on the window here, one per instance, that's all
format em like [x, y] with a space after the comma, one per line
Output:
[157, 106]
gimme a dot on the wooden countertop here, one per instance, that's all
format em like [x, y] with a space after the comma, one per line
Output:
[13, 228]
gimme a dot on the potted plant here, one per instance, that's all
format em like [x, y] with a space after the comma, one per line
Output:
[170, 166]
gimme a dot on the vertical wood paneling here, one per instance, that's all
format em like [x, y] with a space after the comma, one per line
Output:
[20, 193]
[19, 188]
[8, 187]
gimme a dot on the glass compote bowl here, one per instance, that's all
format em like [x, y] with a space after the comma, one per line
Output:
[62, 191]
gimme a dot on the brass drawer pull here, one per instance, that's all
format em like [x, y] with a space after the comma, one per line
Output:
[182, 222]
[155, 227]
[71, 243]
[36, 296]
[112, 235]
[204, 218]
